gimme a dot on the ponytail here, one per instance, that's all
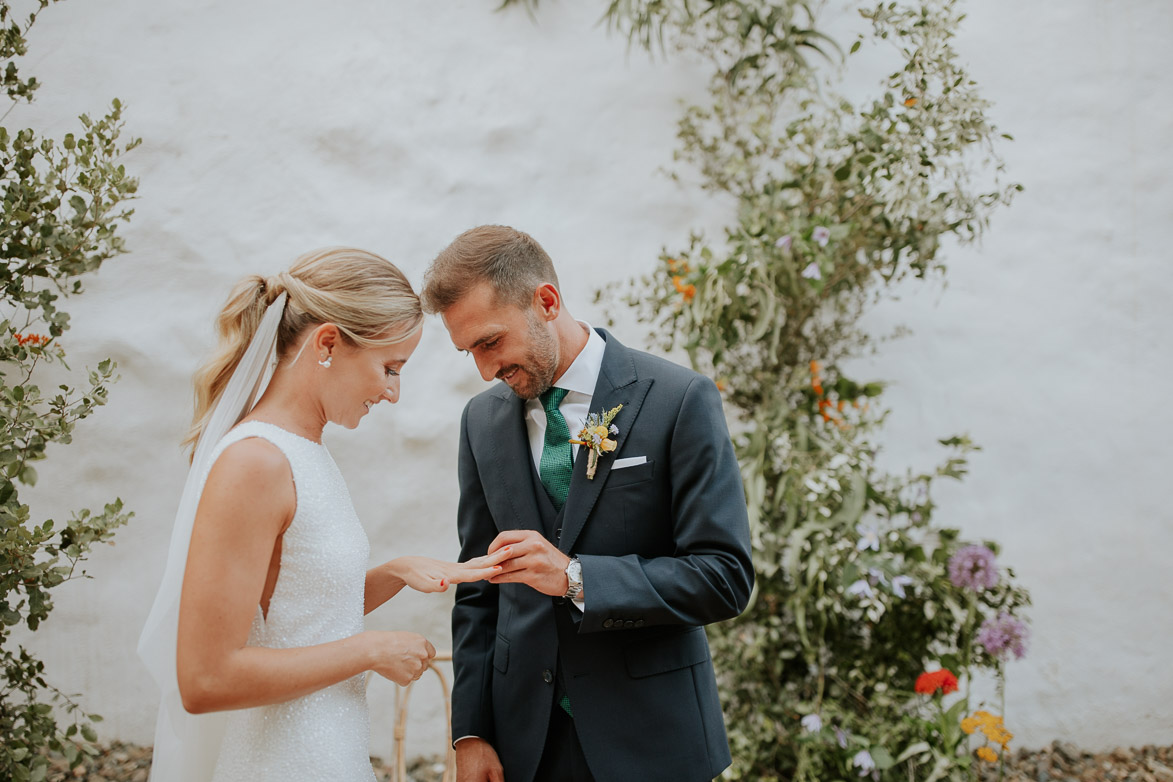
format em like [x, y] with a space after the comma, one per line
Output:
[365, 296]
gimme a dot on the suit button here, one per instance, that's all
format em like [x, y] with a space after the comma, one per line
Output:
[639, 623]
[547, 677]
[608, 622]
[629, 623]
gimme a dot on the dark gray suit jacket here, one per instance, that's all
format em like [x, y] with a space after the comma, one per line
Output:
[665, 550]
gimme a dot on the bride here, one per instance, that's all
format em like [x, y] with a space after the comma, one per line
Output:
[260, 613]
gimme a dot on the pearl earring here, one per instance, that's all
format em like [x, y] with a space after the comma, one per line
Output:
[326, 361]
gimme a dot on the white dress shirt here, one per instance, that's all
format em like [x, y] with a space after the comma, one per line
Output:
[579, 381]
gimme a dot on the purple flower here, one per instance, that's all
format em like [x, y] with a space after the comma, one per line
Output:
[812, 723]
[784, 242]
[812, 272]
[841, 737]
[864, 762]
[1002, 635]
[821, 235]
[973, 567]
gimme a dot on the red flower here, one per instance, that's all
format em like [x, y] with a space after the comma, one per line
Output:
[930, 683]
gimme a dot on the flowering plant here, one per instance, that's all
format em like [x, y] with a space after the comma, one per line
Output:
[834, 201]
[596, 435]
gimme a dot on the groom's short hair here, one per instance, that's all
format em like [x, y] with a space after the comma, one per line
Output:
[510, 260]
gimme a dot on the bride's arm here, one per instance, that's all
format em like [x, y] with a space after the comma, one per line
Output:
[246, 504]
[424, 574]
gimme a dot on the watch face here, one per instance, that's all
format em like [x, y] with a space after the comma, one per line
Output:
[574, 570]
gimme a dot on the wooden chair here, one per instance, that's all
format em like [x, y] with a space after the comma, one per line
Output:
[402, 698]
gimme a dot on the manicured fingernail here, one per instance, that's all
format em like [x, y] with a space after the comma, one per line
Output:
[496, 567]
[507, 548]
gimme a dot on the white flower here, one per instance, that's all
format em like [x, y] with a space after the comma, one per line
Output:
[812, 271]
[783, 242]
[821, 235]
[812, 723]
[899, 582]
[869, 537]
[864, 762]
[861, 587]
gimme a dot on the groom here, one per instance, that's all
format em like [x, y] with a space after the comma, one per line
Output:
[586, 657]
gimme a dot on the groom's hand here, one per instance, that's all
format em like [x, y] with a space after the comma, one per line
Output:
[533, 561]
[477, 761]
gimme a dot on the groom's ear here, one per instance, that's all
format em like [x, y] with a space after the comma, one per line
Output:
[548, 301]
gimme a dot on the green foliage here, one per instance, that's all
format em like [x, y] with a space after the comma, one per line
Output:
[62, 203]
[834, 203]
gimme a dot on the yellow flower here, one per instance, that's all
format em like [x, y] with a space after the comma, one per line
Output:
[607, 446]
[987, 754]
[969, 725]
[601, 431]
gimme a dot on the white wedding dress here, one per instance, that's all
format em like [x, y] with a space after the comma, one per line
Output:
[318, 598]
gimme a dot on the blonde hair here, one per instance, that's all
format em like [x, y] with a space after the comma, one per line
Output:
[365, 296]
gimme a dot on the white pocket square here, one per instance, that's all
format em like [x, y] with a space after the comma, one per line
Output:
[629, 461]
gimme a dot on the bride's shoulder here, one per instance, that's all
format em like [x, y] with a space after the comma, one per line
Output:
[250, 462]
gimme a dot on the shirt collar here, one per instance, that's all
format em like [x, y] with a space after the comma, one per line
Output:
[583, 373]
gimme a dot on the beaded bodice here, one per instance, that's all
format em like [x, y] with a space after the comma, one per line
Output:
[318, 598]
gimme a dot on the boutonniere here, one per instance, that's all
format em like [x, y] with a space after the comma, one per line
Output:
[595, 434]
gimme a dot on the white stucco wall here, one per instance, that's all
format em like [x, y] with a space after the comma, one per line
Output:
[275, 127]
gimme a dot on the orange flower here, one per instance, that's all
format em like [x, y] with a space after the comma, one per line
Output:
[688, 291]
[987, 754]
[910, 102]
[30, 339]
[721, 385]
[814, 367]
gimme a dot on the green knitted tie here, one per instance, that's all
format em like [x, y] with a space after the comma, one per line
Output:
[557, 462]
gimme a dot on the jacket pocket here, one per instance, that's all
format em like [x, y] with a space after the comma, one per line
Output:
[629, 475]
[666, 653]
[501, 654]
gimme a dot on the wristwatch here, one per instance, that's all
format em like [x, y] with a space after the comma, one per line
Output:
[574, 577]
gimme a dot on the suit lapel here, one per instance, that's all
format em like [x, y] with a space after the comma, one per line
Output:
[618, 384]
[514, 461]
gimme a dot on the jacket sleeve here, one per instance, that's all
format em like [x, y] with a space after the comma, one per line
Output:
[474, 616]
[709, 576]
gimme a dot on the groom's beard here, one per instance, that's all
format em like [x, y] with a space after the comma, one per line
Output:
[536, 373]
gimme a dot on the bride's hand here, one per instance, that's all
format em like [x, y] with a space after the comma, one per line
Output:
[424, 574]
[399, 656]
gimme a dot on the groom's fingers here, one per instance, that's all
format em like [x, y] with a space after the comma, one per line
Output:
[512, 536]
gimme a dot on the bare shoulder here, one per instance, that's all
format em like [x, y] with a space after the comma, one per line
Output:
[252, 476]
[254, 461]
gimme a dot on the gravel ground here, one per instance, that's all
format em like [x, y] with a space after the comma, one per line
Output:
[1060, 762]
